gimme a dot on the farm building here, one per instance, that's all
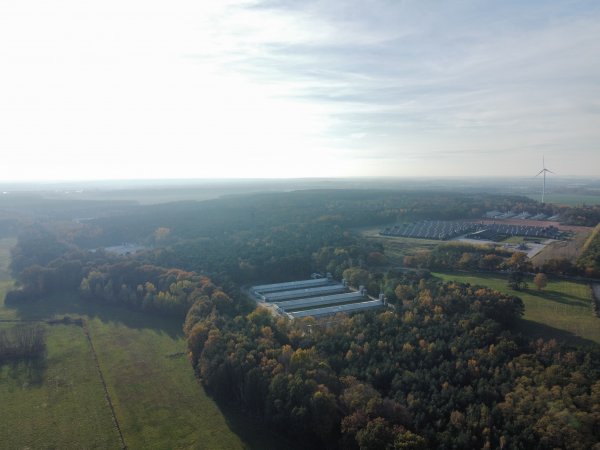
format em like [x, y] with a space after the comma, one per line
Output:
[330, 310]
[302, 303]
[302, 284]
[302, 293]
[316, 297]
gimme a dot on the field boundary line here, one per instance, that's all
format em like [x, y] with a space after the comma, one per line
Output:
[103, 381]
[81, 322]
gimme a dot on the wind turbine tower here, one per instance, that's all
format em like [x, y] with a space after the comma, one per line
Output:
[543, 172]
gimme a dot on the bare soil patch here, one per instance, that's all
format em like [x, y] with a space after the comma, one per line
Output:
[570, 249]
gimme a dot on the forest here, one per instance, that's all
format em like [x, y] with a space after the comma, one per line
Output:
[442, 370]
[444, 366]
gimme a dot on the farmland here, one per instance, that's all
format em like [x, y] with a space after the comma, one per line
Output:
[60, 403]
[148, 378]
[568, 199]
[562, 309]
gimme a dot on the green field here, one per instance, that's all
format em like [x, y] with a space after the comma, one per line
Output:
[58, 403]
[568, 199]
[158, 402]
[562, 310]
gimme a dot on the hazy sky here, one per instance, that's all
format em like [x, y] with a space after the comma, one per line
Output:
[213, 88]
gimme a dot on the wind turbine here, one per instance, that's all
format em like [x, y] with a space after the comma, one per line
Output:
[543, 171]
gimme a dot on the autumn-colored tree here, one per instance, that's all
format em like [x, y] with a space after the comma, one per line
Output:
[409, 441]
[356, 276]
[404, 292]
[376, 259]
[519, 262]
[161, 233]
[377, 435]
[541, 281]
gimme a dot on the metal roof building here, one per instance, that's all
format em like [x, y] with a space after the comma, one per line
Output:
[524, 215]
[302, 293]
[353, 307]
[302, 284]
[316, 301]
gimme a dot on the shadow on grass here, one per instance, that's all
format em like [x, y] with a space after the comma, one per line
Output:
[27, 372]
[536, 330]
[72, 305]
[558, 297]
[254, 433]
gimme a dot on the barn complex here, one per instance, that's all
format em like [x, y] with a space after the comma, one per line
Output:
[314, 298]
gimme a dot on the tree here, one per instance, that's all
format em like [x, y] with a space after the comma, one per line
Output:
[161, 233]
[516, 281]
[409, 441]
[377, 435]
[519, 262]
[540, 280]
[356, 276]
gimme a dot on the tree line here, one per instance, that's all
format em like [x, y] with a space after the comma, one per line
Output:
[22, 342]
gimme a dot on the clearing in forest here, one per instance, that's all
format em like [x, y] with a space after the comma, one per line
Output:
[562, 310]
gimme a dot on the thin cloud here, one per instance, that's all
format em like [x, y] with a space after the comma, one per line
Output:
[406, 84]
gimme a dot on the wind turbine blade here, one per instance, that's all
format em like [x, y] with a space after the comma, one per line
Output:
[550, 171]
[540, 172]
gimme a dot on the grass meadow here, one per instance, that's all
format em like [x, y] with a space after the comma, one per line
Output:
[157, 400]
[563, 309]
[568, 199]
[59, 402]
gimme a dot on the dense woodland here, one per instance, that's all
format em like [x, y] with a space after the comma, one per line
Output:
[442, 367]
[442, 370]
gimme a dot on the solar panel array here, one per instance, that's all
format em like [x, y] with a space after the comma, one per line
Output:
[444, 230]
[431, 229]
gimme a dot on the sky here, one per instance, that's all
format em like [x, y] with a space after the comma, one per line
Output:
[131, 89]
